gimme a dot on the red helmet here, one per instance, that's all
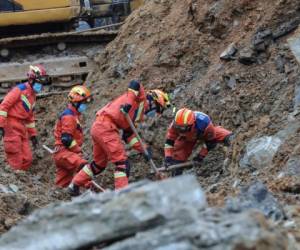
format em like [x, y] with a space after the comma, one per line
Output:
[79, 93]
[38, 73]
[184, 119]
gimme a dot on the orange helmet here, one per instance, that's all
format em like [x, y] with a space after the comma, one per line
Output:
[160, 97]
[184, 118]
[79, 93]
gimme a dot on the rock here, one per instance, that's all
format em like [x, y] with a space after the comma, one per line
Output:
[230, 82]
[109, 216]
[247, 56]
[4, 189]
[294, 44]
[285, 29]
[256, 196]
[214, 229]
[259, 152]
[14, 202]
[229, 52]
[215, 88]
[280, 64]
[261, 40]
[297, 97]
[293, 166]
[13, 188]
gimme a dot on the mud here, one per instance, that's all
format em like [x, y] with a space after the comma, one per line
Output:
[176, 45]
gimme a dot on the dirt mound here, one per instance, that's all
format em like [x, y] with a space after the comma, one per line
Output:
[176, 45]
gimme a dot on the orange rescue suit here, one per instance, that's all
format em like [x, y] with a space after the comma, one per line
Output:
[68, 160]
[17, 120]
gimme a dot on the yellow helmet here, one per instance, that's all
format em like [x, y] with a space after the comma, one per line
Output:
[160, 97]
[80, 93]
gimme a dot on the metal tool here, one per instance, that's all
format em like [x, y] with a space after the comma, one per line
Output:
[51, 151]
[153, 166]
[187, 164]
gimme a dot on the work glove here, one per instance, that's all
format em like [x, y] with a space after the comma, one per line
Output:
[34, 142]
[149, 155]
[228, 140]
[198, 159]
[1, 133]
[169, 161]
[125, 108]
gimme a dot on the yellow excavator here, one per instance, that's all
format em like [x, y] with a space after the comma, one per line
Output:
[26, 23]
[23, 16]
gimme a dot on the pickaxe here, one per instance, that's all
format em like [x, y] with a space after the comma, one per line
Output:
[51, 151]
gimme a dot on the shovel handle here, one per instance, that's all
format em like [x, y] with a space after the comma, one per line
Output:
[98, 186]
[153, 166]
[175, 166]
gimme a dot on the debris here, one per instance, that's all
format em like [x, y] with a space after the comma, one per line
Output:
[259, 152]
[280, 63]
[13, 188]
[247, 56]
[292, 167]
[261, 40]
[230, 81]
[285, 28]
[215, 88]
[256, 196]
[229, 52]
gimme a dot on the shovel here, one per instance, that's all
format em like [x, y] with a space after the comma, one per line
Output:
[152, 164]
[51, 151]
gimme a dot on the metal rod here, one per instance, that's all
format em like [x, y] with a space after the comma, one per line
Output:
[153, 166]
[175, 166]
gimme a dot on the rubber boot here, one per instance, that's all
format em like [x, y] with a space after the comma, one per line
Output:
[73, 190]
[121, 180]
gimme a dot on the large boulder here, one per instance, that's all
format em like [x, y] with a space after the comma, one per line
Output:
[107, 217]
[259, 152]
[170, 214]
[256, 196]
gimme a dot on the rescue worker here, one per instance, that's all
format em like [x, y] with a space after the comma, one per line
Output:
[107, 144]
[187, 128]
[69, 136]
[17, 122]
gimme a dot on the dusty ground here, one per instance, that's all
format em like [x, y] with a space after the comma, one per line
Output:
[175, 45]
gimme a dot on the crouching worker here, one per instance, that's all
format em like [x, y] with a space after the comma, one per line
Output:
[17, 121]
[187, 128]
[108, 145]
[69, 137]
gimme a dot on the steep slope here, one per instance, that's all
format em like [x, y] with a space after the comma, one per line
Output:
[176, 45]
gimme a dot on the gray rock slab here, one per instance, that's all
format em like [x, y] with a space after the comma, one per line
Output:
[259, 152]
[213, 229]
[294, 44]
[256, 196]
[107, 217]
[229, 52]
